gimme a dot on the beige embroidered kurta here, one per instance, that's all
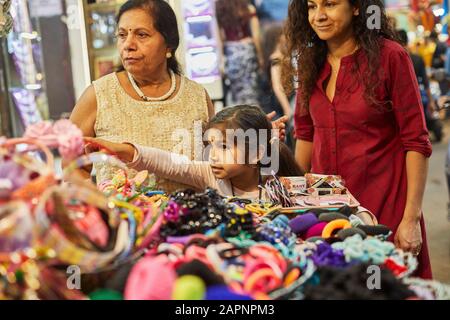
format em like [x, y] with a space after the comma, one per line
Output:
[168, 125]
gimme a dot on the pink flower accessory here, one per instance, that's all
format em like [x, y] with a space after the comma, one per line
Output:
[43, 132]
[70, 139]
[63, 135]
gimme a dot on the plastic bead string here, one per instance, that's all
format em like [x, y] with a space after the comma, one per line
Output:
[188, 212]
[277, 231]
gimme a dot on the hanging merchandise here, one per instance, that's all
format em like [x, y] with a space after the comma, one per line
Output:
[6, 21]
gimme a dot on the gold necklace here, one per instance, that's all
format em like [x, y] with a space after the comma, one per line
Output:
[335, 69]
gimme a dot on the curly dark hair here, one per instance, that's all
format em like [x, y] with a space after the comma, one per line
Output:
[311, 52]
[231, 12]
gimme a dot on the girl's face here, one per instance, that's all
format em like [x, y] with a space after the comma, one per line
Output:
[226, 158]
[331, 19]
[142, 48]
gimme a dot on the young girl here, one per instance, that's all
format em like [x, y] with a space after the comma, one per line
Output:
[224, 171]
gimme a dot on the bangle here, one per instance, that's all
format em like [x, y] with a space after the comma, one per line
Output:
[334, 225]
[138, 214]
[132, 235]
[51, 235]
[262, 280]
[16, 226]
[96, 157]
[35, 187]
[251, 267]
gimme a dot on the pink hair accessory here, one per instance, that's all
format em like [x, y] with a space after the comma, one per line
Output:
[260, 264]
[315, 230]
[70, 139]
[42, 131]
[267, 252]
[152, 278]
[185, 239]
[63, 135]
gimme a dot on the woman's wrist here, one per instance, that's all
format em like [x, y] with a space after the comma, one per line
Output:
[126, 152]
[412, 214]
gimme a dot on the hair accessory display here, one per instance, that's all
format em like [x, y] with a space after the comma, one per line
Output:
[131, 241]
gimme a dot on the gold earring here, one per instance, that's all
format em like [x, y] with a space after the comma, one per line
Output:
[169, 55]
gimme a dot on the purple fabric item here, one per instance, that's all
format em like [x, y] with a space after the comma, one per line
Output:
[224, 293]
[315, 230]
[302, 223]
[325, 255]
[184, 239]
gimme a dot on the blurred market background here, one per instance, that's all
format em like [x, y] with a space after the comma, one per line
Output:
[58, 47]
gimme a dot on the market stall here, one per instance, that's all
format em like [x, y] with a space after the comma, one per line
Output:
[64, 238]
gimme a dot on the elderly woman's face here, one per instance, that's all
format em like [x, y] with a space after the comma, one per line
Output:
[142, 48]
[330, 19]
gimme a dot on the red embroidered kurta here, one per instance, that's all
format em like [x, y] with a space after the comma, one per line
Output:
[367, 145]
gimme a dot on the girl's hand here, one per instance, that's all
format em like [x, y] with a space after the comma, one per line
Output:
[409, 236]
[123, 151]
[279, 124]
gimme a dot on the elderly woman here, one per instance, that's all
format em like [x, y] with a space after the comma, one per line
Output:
[148, 102]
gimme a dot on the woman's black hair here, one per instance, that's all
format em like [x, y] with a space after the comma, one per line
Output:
[165, 22]
[247, 117]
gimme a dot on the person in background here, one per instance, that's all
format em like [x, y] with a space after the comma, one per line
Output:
[241, 45]
[426, 48]
[428, 101]
[148, 98]
[274, 97]
[439, 55]
[438, 62]
[270, 11]
[421, 74]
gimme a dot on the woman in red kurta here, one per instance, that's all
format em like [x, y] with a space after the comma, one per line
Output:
[380, 144]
